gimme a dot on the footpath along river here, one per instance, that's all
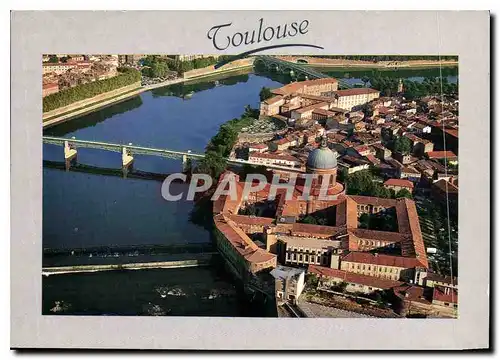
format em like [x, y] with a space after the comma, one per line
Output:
[88, 209]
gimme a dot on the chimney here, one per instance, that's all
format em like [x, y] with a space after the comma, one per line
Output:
[406, 295]
[376, 254]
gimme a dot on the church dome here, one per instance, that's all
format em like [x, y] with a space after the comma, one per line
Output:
[322, 158]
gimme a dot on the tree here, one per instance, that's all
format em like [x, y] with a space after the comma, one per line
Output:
[251, 112]
[265, 93]
[364, 221]
[252, 169]
[158, 69]
[53, 59]
[311, 280]
[309, 220]
[403, 145]
[365, 79]
[404, 193]
[212, 164]
[341, 287]
[342, 175]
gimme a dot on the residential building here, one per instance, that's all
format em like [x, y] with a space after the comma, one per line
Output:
[381, 265]
[351, 98]
[285, 143]
[443, 155]
[316, 87]
[354, 282]
[410, 173]
[399, 184]
[259, 148]
[273, 159]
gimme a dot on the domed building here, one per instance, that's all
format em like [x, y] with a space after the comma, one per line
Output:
[323, 162]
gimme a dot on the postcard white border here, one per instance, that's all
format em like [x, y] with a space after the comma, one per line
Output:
[462, 33]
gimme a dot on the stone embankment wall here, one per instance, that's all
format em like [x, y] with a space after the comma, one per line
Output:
[210, 70]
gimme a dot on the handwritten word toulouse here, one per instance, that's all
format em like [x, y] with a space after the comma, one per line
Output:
[268, 33]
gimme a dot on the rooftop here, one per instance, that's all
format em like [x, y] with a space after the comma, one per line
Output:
[399, 182]
[381, 259]
[353, 277]
[356, 91]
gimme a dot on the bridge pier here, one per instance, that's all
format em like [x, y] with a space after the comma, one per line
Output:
[127, 160]
[70, 153]
[186, 163]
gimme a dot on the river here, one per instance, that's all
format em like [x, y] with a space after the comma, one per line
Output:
[91, 208]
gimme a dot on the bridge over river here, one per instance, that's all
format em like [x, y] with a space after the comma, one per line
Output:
[287, 67]
[129, 150]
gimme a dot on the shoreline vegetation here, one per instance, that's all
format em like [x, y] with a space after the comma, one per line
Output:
[89, 104]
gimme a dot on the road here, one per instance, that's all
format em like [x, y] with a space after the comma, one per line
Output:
[320, 311]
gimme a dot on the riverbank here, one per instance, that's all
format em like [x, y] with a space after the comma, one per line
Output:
[82, 108]
[343, 63]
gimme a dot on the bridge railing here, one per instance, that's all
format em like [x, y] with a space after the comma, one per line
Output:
[141, 150]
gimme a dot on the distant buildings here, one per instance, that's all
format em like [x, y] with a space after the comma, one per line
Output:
[60, 68]
[192, 57]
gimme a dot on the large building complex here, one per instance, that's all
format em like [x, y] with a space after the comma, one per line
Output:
[315, 100]
[342, 246]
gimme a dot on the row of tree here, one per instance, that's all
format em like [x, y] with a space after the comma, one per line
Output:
[159, 66]
[154, 66]
[388, 86]
[127, 76]
[364, 183]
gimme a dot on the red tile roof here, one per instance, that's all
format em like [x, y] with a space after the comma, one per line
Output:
[272, 156]
[450, 155]
[375, 201]
[411, 293]
[444, 186]
[408, 223]
[399, 182]
[273, 100]
[258, 146]
[381, 259]
[251, 220]
[50, 86]
[320, 231]
[442, 279]
[300, 86]
[366, 280]
[240, 241]
[377, 235]
[452, 132]
[445, 294]
[356, 91]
